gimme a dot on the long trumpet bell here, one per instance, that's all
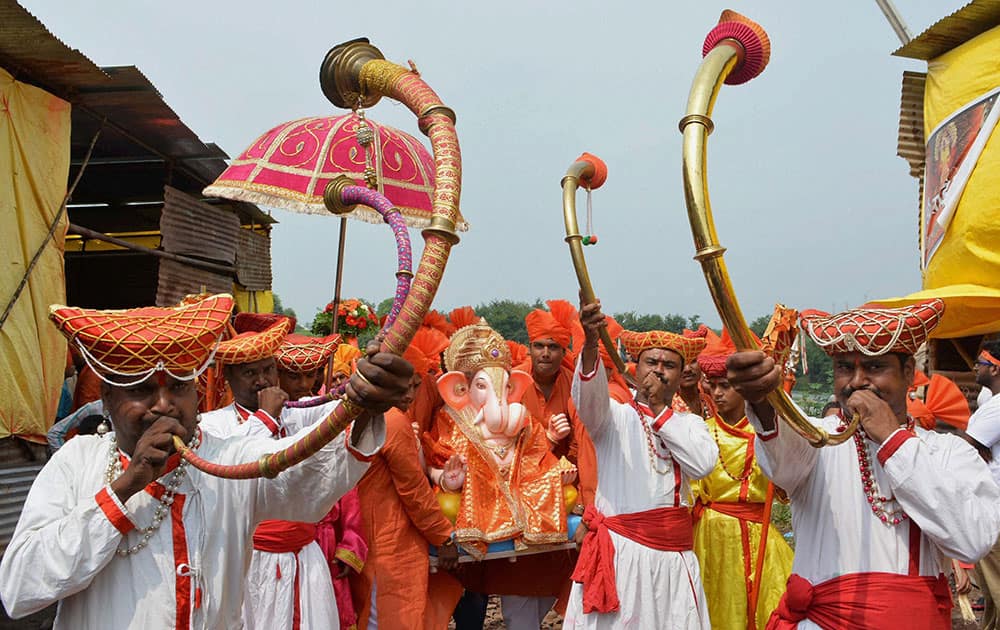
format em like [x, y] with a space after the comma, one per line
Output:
[592, 172]
[356, 73]
[735, 51]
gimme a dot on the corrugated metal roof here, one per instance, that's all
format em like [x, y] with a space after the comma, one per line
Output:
[253, 261]
[177, 280]
[14, 486]
[28, 48]
[910, 143]
[143, 143]
[21, 462]
[193, 228]
[973, 19]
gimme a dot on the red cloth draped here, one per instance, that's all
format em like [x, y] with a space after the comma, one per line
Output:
[753, 512]
[664, 529]
[283, 536]
[865, 600]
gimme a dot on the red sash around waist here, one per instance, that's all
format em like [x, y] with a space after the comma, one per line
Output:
[753, 512]
[283, 536]
[663, 529]
[865, 600]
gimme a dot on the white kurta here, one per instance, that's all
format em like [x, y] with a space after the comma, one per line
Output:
[938, 479]
[657, 589]
[64, 545]
[269, 601]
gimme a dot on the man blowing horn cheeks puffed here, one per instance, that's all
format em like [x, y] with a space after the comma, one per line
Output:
[872, 516]
[122, 533]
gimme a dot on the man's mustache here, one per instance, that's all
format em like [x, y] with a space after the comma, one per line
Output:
[848, 391]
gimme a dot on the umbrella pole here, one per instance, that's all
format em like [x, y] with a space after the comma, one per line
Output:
[340, 273]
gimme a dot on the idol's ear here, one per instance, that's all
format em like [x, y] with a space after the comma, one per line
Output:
[517, 384]
[454, 389]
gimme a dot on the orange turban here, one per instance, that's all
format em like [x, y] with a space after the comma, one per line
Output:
[873, 331]
[344, 358]
[140, 341]
[250, 346]
[424, 352]
[944, 402]
[556, 323]
[518, 352]
[463, 316]
[615, 330]
[638, 342]
[436, 320]
[299, 353]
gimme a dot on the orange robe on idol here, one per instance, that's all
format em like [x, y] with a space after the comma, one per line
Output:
[401, 518]
[523, 502]
[576, 447]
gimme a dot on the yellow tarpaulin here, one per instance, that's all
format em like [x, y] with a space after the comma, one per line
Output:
[965, 270]
[34, 167]
[252, 301]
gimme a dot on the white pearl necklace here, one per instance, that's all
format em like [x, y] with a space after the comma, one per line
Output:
[116, 470]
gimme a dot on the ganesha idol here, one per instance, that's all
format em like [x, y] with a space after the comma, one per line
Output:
[495, 458]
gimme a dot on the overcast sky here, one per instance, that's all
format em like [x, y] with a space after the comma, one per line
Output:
[810, 199]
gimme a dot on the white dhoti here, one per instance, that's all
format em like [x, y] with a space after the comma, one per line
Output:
[271, 601]
[663, 590]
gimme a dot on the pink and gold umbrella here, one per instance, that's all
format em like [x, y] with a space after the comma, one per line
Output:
[289, 167]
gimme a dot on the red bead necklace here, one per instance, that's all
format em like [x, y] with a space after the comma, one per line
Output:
[876, 500]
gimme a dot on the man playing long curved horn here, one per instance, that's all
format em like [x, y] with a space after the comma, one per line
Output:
[636, 566]
[122, 534]
[288, 583]
[873, 516]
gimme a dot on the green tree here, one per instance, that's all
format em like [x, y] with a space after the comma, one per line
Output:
[507, 317]
[631, 320]
[280, 309]
[760, 324]
[384, 306]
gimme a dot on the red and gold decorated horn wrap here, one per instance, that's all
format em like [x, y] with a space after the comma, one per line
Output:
[735, 51]
[356, 74]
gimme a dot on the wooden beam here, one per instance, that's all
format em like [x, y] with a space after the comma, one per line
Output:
[225, 270]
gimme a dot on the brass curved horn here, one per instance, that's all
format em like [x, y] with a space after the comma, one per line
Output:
[352, 73]
[592, 171]
[735, 51]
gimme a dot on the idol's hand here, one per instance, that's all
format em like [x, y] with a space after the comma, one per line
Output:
[558, 428]
[453, 476]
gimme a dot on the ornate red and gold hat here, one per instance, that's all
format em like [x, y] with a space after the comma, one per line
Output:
[712, 360]
[300, 353]
[132, 344]
[424, 351]
[250, 346]
[636, 343]
[873, 331]
[258, 322]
